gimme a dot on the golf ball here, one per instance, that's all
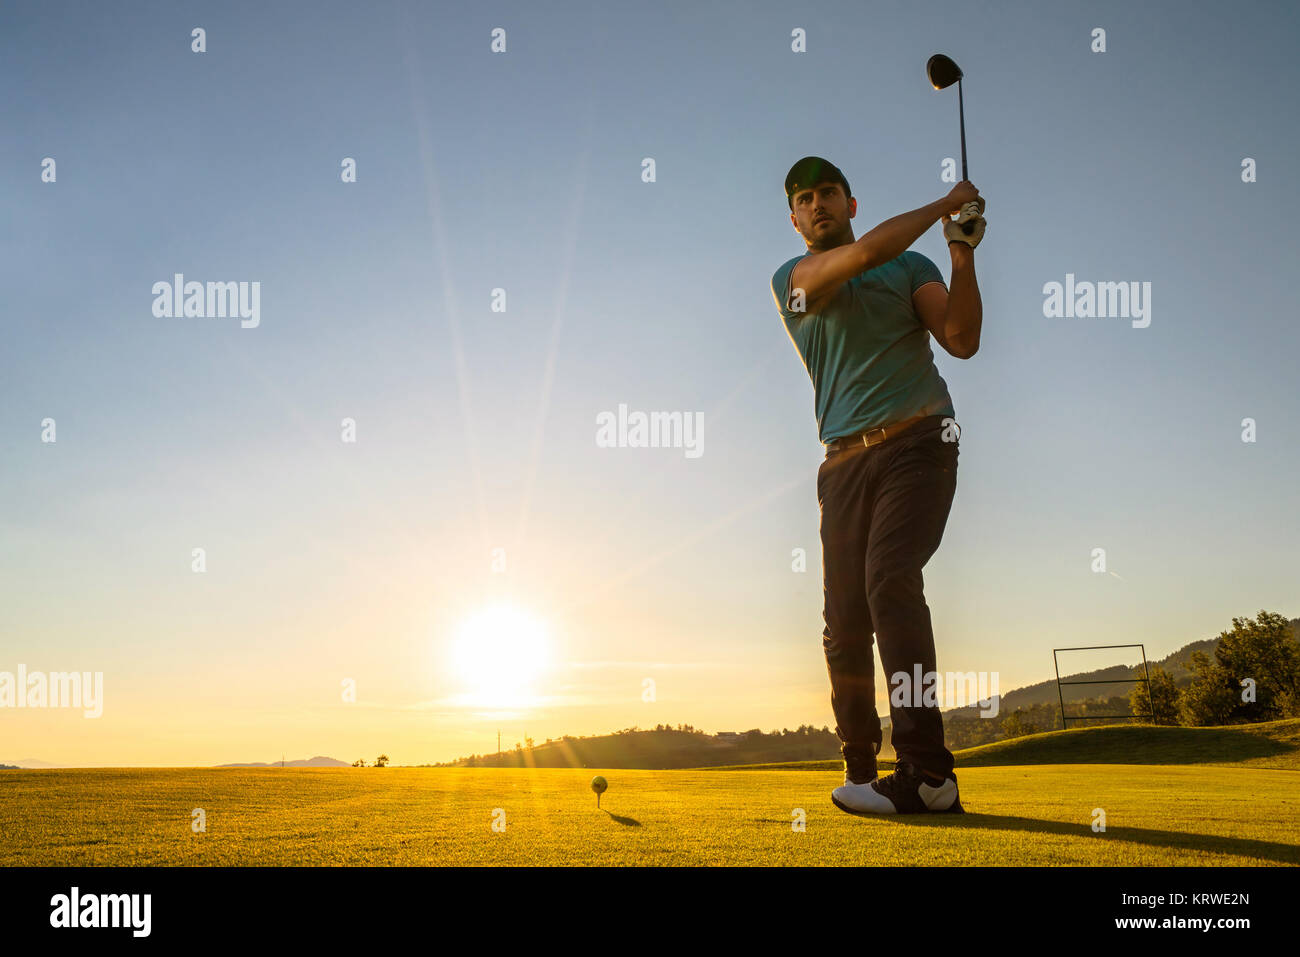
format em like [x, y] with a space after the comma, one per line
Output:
[598, 784]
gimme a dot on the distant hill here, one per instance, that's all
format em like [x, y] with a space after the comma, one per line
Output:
[316, 762]
[9, 767]
[29, 764]
[664, 747]
[1271, 744]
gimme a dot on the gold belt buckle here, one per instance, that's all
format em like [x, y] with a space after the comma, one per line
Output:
[839, 444]
[881, 429]
[904, 426]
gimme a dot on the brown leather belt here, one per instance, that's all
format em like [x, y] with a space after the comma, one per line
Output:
[877, 435]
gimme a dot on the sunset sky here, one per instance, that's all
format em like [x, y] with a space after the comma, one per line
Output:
[372, 561]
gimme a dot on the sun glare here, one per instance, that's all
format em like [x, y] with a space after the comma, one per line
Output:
[498, 654]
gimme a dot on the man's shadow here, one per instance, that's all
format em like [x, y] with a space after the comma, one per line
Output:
[1176, 840]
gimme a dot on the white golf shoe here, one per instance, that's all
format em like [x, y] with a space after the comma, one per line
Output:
[906, 791]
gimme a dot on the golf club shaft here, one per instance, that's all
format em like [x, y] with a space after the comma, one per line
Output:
[966, 228]
[961, 114]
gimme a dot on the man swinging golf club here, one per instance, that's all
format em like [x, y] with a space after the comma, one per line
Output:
[860, 312]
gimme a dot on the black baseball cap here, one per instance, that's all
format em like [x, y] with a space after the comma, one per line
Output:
[810, 171]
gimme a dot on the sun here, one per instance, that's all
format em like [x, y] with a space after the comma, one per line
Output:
[498, 654]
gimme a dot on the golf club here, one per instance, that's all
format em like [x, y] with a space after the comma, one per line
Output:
[943, 73]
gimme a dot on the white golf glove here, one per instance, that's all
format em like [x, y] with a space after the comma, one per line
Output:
[972, 212]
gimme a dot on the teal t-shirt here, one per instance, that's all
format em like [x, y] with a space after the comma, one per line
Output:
[867, 351]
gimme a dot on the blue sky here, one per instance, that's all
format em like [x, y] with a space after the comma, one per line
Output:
[522, 171]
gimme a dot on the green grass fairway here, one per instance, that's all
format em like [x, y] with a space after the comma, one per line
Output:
[1039, 815]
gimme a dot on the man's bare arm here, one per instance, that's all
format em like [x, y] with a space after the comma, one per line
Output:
[821, 274]
[965, 316]
[954, 320]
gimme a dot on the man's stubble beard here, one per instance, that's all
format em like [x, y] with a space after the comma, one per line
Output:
[841, 239]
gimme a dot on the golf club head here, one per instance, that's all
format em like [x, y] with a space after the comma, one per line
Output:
[942, 71]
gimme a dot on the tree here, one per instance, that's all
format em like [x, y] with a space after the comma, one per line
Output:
[1266, 652]
[1016, 725]
[381, 761]
[1262, 655]
[1163, 693]
[359, 763]
[1211, 698]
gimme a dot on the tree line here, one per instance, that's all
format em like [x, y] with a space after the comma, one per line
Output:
[1253, 676]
